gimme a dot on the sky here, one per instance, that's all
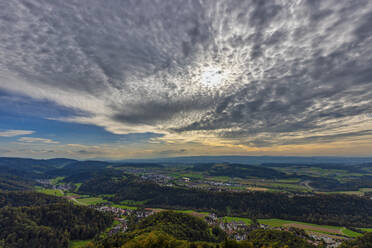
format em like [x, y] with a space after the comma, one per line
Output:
[125, 79]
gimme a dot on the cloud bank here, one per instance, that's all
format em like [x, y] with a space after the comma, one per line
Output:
[244, 73]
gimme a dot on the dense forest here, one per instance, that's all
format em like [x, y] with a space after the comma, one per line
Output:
[29, 219]
[180, 226]
[321, 209]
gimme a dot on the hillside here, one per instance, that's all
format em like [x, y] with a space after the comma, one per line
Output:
[38, 220]
[176, 230]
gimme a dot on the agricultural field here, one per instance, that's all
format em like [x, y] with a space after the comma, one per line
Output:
[56, 180]
[192, 212]
[91, 200]
[310, 227]
[55, 192]
[132, 203]
[77, 186]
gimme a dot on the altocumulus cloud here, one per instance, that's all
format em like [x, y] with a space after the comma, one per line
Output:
[256, 73]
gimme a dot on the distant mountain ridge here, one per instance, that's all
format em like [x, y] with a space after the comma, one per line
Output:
[255, 160]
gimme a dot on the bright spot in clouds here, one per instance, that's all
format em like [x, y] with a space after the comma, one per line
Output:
[211, 76]
[249, 76]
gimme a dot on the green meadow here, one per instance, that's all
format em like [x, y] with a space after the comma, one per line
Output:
[231, 219]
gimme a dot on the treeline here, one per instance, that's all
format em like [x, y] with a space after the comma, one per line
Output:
[29, 219]
[320, 209]
[331, 184]
[352, 168]
[176, 230]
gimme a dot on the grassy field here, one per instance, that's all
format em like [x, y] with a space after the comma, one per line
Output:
[230, 219]
[350, 233]
[123, 206]
[310, 227]
[365, 189]
[291, 180]
[77, 186]
[56, 180]
[358, 193]
[91, 200]
[192, 212]
[78, 243]
[257, 189]
[55, 192]
[192, 175]
[130, 202]
[75, 194]
[367, 229]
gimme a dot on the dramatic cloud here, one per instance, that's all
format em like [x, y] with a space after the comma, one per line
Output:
[12, 133]
[240, 73]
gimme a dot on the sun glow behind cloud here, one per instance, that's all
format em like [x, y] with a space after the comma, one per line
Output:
[249, 76]
[212, 76]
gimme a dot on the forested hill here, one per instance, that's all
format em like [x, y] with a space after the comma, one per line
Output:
[178, 230]
[317, 208]
[29, 219]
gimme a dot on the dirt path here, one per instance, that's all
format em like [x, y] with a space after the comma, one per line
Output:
[307, 185]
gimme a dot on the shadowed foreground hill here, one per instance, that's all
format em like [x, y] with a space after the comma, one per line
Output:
[30, 219]
[178, 230]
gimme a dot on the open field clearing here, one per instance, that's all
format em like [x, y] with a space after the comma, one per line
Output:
[310, 227]
[231, 219]
[55, 192]
[56, 180]
[91, 200]
[257, 189]
[194, 213]
[314, 228]
[365, 189]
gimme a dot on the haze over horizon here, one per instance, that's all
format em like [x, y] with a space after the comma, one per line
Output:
[144, 79]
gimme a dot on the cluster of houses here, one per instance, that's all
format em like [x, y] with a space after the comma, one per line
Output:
[118, 212]
[239, 230]
[47, 183]
[329, 241]
[121, 227]
[158, 179]
[120, 215]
